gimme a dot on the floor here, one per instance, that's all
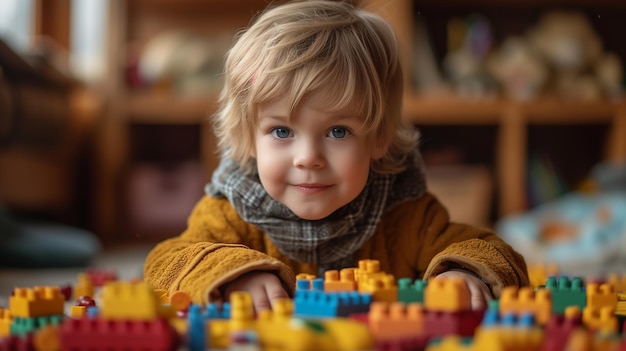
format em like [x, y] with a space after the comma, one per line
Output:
[126, 261]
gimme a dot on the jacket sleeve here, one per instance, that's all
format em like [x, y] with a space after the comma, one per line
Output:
[479, 250]
[216, 247]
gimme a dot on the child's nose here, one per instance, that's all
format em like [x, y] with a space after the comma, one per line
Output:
[308, 155]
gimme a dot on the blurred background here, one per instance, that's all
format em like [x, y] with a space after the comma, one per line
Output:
[104, 109]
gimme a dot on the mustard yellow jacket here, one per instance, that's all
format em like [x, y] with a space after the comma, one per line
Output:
[415, 239]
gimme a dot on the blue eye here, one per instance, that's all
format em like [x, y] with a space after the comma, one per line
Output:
[339, 132]
[281, 133]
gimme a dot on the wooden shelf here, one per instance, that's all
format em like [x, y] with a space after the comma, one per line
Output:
[454, 110]
[168, 109]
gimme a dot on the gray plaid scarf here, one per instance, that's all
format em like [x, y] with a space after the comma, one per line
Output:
[329, 242]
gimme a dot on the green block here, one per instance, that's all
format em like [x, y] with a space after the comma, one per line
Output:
[411, 291]
[566, 292]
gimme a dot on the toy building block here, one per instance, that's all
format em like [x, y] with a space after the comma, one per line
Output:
[601, 295]
[196, 334]
[507, 338]
[310, 284]
[507, 332]
[443, 323]
[241, 311]
[395, 320]
[619, 283]
[451, 343]
[36, 302]
[449, 295]
[321, 304]
[47, 339]
[78, 311]
[132, 301]
[99, 277]
[5, 322]
[411, 291]
[566, 292]
[560, 328]
[343, 280]
[524, 300]
[84, 286]
[305, 276]
[217, 311]
[179, 300]
[100, 334]
[382, 287]
[539, 273]
[22, 326]
[367, 269]
[17, 343]
[601, 319]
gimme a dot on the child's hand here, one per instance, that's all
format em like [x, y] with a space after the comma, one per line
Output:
[265, 287]
[479, 292]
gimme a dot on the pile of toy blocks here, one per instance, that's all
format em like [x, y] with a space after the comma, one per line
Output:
[358, 308]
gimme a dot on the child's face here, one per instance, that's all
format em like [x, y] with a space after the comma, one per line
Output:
[314, 163]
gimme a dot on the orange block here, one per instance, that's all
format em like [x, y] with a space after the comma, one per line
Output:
[344, 280]
[448, 295]
[36, 302]
[601, 319]
[619, 283]
[599, 296]
[382, 287]
[524, 300]
[395, 320]
[5, 322]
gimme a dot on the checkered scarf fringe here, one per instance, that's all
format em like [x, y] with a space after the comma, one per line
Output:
[329, 242]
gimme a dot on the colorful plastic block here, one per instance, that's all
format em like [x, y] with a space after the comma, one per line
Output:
[217, 311]
[566, 292]
[560, 327]
[47, 339]
[539, 273]
[395, 320]
[99, 334]
[382, 287]
[241, 311]
[619, 283]
[448, 295]
[99, 277]
[525, 300]
[179, 300]
[5, 322]
[132, 301]
[443, 323]
[197, 329]
[78, 311]
[84, 286]
[411, 291]
[344, 280]
[36, 302]
[321, 304]
[601, 319]
[22, 326]
[601, 295]
[17, 343]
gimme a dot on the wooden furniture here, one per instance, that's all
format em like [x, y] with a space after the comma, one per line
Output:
[134, 21]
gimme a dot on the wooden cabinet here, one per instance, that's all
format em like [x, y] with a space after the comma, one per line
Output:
[513, 122]
[134, 22]
[133, 112]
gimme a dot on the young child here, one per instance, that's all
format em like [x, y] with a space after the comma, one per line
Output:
[318, 171]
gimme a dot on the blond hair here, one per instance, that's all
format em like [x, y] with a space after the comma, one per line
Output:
[332, 49]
